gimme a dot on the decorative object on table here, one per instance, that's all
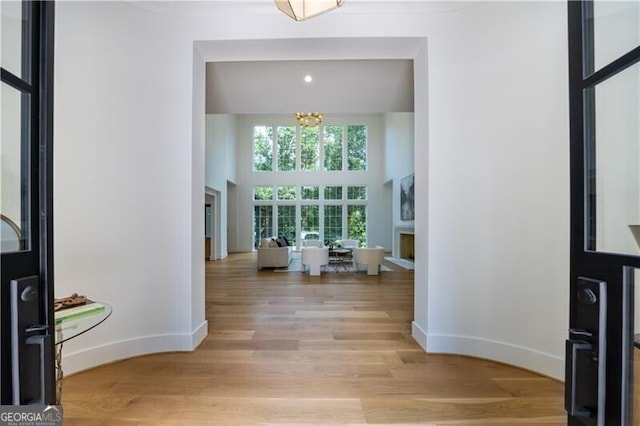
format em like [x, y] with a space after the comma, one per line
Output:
[69, 302]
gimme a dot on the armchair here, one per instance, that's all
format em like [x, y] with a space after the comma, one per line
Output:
[372, 257]
[315, 257]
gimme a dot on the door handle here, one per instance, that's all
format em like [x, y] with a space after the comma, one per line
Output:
[579, 355]
[46, 360]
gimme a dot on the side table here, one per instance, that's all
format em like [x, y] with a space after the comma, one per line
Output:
[69, 328]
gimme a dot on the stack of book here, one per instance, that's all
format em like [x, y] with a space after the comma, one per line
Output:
[76, 312]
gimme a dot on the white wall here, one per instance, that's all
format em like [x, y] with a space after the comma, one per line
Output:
[499, 185]
[491, 123]
[399, 162]
[127, 178]
[220, 168]
[378, 212]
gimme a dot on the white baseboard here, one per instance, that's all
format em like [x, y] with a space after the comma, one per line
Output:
[115, 351]
[530, 359]
[419, 335]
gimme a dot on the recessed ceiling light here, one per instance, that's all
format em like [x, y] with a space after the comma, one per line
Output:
[308, 78]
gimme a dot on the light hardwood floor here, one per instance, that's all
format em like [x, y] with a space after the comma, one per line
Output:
[287, 348]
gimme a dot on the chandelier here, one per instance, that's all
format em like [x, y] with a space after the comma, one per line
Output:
[305, 9]
[309, 119]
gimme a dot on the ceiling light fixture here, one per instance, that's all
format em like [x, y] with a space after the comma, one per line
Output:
[309, 119]
[308, 78]
[305, 9]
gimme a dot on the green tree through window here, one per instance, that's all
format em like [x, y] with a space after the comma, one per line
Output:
[286, 138]
[357, 223]
[357, 146]
[262, 148]
[333, 148]
[287, 223]
[309, 220]
[309, 143]
[332, 223]
[261, 193]
[356, 192]
[286, 193]
[262, 223]
[310, 193]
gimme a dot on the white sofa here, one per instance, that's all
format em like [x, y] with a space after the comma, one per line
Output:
[270, 255]
[370, 256]
[314, 257]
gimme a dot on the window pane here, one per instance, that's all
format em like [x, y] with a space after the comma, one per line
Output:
[310, 222]
[616, 192]
[333, 193]
[286, 193]
[262, 148]
[357, 223]
[263, 223]
[287, 223]
[310, 193]
[333, 148]
[14, 23]
[309, 143]
[263, 193]
[356, 192]
[286, 148]
[332, 223]
[615, 30]
[14, 172]
[357, 147]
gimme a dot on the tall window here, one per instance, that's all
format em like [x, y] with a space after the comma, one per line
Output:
[333, 223]
[310, 222]
[286, 138]
[262, 223]
[309, 148]
[263, 148]
[357, 222]
[282, 141]
[309, 210]
[357, 147]
[287, 223]
[333, 147]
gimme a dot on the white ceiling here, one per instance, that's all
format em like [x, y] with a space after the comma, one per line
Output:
[338, 86]
[377, 78]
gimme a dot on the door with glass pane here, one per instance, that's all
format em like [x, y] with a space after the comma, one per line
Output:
[604, 68]
[26, 286]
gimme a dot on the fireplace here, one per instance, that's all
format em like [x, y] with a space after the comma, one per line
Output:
[403, 242]
[406, 246]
